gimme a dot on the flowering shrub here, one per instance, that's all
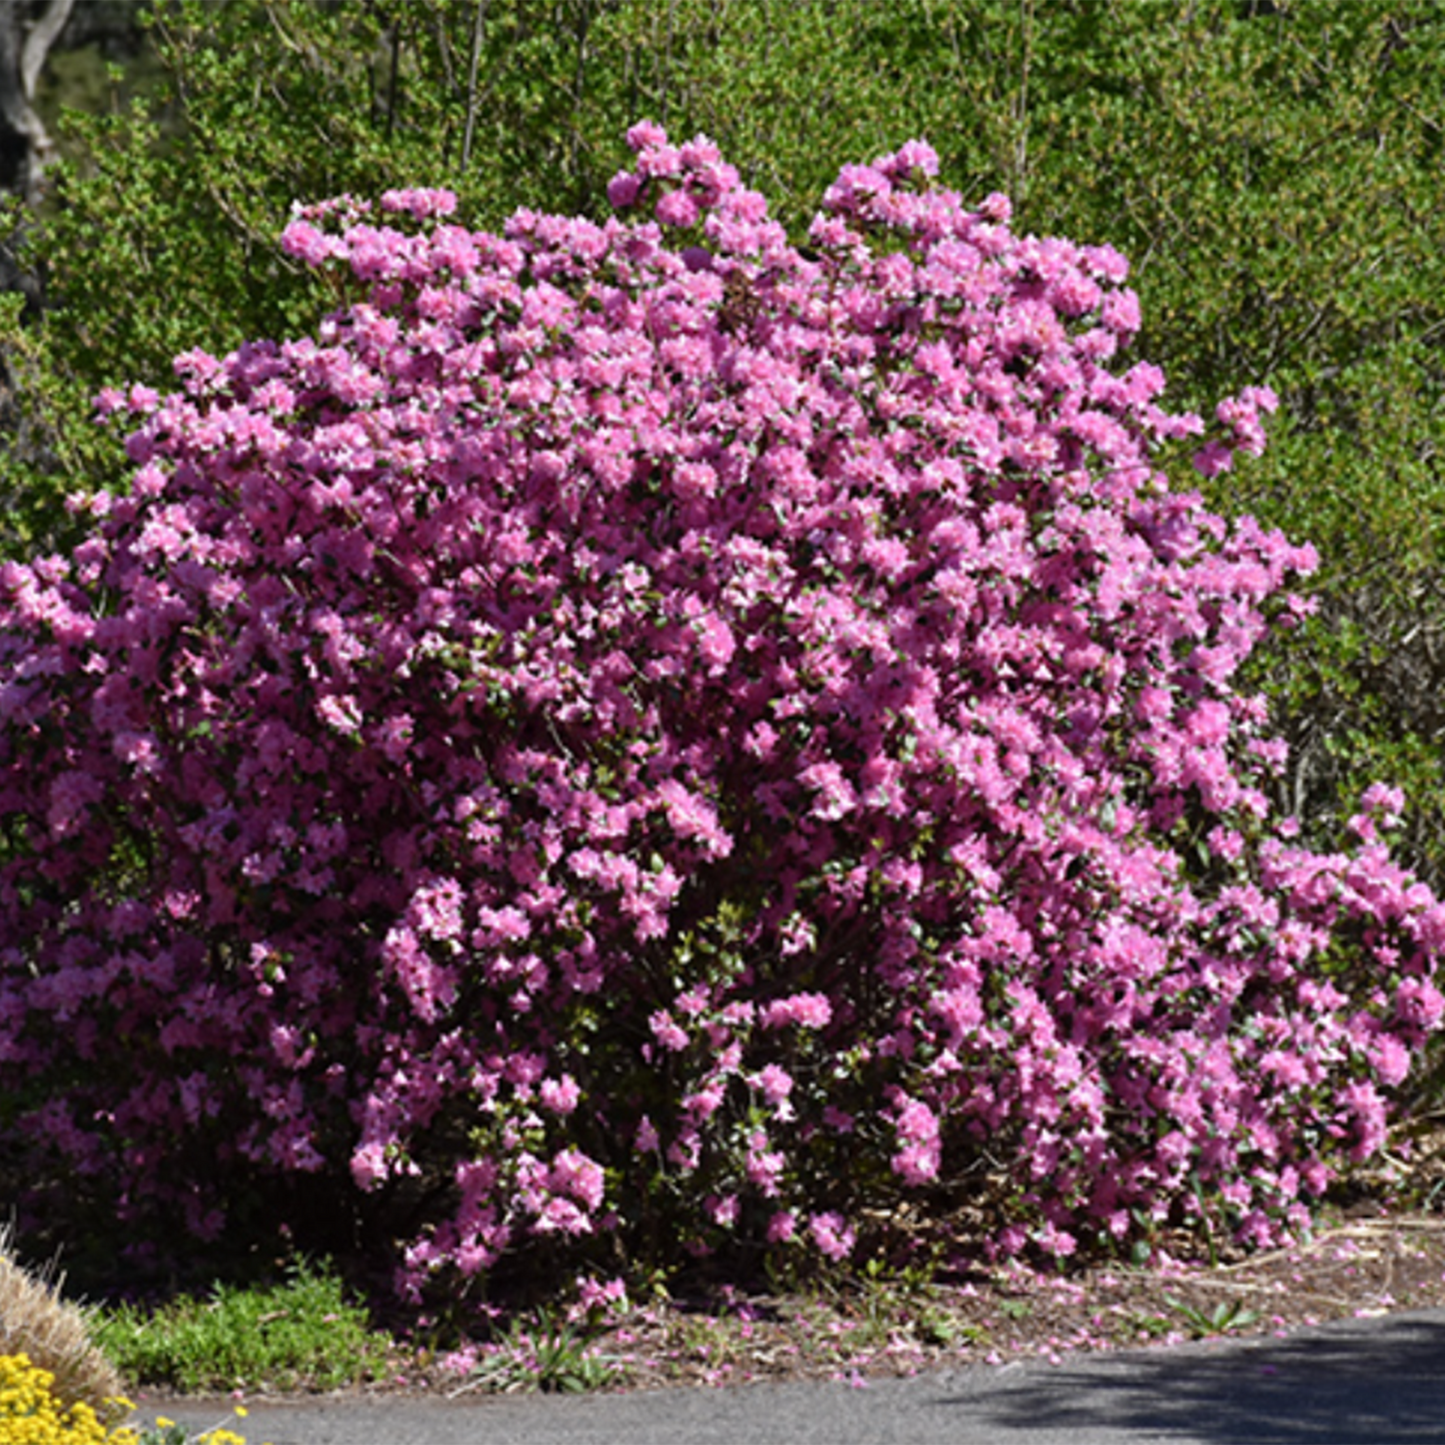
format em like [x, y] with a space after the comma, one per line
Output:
[638, 728]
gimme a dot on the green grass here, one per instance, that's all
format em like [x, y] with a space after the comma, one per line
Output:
[549, 1356]
[299, 1334]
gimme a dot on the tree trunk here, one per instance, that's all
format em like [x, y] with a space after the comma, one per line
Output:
[27, 31]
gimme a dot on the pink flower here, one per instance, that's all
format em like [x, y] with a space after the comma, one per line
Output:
[722, 1211]
[676, 208]
[917, 1163]
[420, 204]
[1391, 1059]
[560, 1096]
[1120, 312]
[368, 1166]
[1212, 459]
[1419, 1002]
[834, 795]
[340, 713]
[913, 156]
[782, 1226]
[832, 1237]
[308, 243]
[435, 910]
[716, 643]
[694, 817]
[774, 1083]
[573, 1173]
[395, 736]
[139, 751]
[562, 1216]
[806, 1010]
[705, 1102]
[765, 1169]
[1387, 802]
[666, 1032]
[646, 134]
[623, 190]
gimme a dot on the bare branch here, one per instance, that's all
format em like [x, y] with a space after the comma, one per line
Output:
[43, 34]
[477, 22]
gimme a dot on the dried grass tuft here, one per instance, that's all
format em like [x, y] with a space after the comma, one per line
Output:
[55, 1336]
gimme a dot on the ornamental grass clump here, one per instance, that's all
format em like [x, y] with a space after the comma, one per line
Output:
[54, 1337]
[639, 738]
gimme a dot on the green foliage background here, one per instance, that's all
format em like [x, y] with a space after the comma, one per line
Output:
[1272, 170]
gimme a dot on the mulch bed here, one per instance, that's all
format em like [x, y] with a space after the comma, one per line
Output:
[1363, 1266]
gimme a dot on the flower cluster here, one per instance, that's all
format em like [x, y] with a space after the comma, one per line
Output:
[638, 721]
[30, 1413]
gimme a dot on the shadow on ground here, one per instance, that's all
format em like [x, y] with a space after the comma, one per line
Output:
[1334, 1386]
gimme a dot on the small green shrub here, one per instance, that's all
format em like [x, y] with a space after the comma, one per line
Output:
[299, 1334]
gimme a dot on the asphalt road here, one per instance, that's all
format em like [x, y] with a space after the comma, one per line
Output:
[1364, 1382]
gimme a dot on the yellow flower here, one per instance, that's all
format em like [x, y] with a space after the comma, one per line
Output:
[30, 1414]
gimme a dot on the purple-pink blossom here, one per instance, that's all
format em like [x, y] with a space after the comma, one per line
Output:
[626, 716]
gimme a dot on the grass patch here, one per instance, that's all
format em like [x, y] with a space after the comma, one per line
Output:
[301, 1334]
[547, 1355]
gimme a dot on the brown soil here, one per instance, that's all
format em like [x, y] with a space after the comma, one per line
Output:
[1372, 1264]
[1378, 1250]
[1359, 1267]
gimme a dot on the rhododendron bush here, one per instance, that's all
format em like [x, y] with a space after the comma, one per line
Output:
[638, 730]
